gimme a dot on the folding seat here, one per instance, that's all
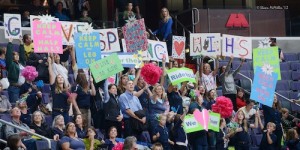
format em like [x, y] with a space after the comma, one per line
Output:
[48, 120]
[295, 107]
[223, 63]
[283, 93]
[246, 65]
[43, 144]
[244, 72]
[286, 104]
[6, 117]
[245, 84]
[285, 66]
[286, 75]
[282, 85]
[290, 56]
[295, 85]
[294, 95]
[46, 98]
[295, 75]
[295, 65]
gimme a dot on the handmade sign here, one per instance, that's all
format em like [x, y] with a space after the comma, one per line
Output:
[214, 121]
[237, 46]
[79, 26]
[12, 26]
[178, 47]
[106, 67]
[206, 44]
[158, 50]
[130, 60]
[264, 84]
[145, 55]
[135, 35]
[178, 75]
[109, 40]
[201, 120]
[67, 29]
[87, 48]
[48, 37]
[270, 56]
[44, 19]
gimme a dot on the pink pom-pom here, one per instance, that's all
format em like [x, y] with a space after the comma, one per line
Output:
[119, 146]
[223, 106]
[29, 73]
[151, 73]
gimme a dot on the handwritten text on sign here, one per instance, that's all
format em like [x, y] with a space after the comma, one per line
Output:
[67, 29]
[106, 67]
[178, 75]
[12, 26]
[207, 44]
[37, 18]
[135, 36]
[270, 56]
[87, 49]
[127, 59]
[263, 87]
[178, 47]
[109, 40]
[238, 46]
[48, 37]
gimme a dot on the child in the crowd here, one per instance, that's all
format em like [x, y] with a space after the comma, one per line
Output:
[207, 76]
[157, 146]
[269, 138]
[221, 139]
[180, 137]
[292, 140]
[161, 133]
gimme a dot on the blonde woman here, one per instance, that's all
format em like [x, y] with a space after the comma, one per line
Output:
[164, 32]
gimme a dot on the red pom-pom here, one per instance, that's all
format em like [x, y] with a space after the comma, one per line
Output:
[151, 73]
[29, 73]
[119, 146]
[223, 106]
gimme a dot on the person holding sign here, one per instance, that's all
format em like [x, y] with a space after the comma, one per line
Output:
[15, 63]
[60, 97]
[228, 84]
[164, 32]
[207, 76]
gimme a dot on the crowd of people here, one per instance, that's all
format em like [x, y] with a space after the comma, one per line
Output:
[131, 109]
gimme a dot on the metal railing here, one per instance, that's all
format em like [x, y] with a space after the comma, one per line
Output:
[27, 131]
[3, 141]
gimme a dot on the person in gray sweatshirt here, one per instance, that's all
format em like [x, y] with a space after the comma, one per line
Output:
[227, 80]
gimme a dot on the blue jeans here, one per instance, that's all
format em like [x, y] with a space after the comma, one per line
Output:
[13, 93]
[64, 114]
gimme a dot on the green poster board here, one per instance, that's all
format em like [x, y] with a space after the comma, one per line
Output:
[214, 121]
[268, 55]
[179, 75]
[106, 67]
[190, 124]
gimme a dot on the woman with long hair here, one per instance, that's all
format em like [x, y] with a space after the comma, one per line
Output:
[61, 98]
[240, 98]
[58, 126]
[122, 84]
[112, 135]
[90, 141]
[240, 134]
[80, 126]
[14, 143]
[164, 32]
[84, 90]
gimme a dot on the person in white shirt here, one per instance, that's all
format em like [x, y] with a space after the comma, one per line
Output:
[248, 110]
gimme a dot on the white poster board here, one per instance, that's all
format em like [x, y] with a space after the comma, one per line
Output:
[207, 44]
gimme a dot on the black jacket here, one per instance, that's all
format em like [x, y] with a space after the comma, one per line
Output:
[112, 108]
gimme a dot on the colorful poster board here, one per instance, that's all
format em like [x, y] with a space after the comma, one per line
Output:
[207, 44]
[79, 26]
[106, 67]
[178, 47]
[129, 60]
[179, 75]
[34, 18]
[199, 119]
[48, 37]
[67, 29]
[109, 40]
[87, 48]
[12, 26]
[270, 56]
[135, 36]
[264, 85]
[237, 46]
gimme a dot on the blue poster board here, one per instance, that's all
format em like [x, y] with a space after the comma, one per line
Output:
[87, 48]
[263, 87]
